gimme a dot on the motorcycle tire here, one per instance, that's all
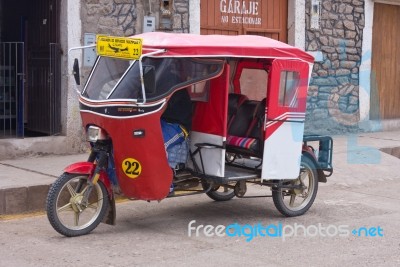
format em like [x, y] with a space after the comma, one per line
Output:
[65, 211]
[284, 199]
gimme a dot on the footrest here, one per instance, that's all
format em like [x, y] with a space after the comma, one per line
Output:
[208, 145]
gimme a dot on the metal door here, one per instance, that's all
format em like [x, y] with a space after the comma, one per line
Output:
[11, 89]
[44, 59]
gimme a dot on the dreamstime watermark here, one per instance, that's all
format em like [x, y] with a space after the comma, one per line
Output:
[249, 232]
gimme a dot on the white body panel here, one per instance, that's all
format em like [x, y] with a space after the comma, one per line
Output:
[213, 158]
[282, 152]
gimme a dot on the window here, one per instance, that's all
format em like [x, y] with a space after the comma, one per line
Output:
[117, 79]
[288, 89]
[170, 73]
[253, 83]
[104, 77]
[200, 91]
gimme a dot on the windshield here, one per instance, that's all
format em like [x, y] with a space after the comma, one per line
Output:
[167, 74]
[104, 77]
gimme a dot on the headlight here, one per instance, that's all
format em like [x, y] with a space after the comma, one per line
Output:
[95, 133]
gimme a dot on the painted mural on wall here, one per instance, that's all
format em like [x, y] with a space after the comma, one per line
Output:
[333, 100]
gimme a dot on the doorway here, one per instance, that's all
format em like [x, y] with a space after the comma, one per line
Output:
[236, 17]
[385, 93]
[35, 68]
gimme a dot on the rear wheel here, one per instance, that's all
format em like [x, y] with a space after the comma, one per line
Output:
[221, 193]
[65, 209]
[295, 202]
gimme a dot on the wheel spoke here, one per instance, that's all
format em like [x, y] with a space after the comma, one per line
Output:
[84, 190]
[303, 175]
[65, 207]
[77, 218]
[79, 185]
[92, 206]
[71, 190]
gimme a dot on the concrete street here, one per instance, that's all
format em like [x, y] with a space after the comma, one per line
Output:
[362, 192]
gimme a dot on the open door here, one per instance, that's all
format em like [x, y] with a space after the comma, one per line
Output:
[209, 126]
[44, 68]
[285, 115]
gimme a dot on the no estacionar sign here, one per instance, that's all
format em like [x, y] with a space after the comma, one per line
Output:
[119, 47]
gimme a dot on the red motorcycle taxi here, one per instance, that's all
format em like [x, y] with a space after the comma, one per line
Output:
[247, 97]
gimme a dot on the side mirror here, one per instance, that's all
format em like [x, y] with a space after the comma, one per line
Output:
[75, 71]
[149, 78]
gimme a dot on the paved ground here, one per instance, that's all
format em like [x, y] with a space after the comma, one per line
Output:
[363, 192]
[156, 234]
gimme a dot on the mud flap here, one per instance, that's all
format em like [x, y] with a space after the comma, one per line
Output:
[321, 176]
[110, 217]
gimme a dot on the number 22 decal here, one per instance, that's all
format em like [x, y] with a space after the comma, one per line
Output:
[131, 167]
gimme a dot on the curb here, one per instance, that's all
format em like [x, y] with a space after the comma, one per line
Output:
[23, 199]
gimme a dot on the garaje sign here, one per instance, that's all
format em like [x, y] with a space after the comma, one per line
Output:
[236, 9]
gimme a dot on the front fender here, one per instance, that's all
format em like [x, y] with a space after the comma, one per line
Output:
[81, 168]
[87, 168]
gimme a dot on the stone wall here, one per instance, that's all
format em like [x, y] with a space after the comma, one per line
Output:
[125, 17]
[333, 102]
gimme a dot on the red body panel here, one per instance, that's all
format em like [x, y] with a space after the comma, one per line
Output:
[211, 117]
[277, 114]
[155, 178]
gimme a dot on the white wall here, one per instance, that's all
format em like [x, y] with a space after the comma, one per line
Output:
[365, 67]
[194, 16]
[74, 33]
[297, 23]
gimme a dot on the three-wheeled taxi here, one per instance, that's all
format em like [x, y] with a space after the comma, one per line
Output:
[245, 111]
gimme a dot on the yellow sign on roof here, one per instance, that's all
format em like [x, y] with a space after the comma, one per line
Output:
[119, 47]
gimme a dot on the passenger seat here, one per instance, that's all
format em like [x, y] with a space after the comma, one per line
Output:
[246, 131]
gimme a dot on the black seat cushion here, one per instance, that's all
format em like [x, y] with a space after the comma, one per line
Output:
[241, 122]
[234, 102]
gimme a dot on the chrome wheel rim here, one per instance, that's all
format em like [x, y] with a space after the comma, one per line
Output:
[74, 214]
[297, 199]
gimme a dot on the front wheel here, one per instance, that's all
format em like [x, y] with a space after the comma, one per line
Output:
[66, 211]
[295, 202]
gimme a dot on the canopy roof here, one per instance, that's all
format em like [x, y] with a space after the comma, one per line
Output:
[181, 44]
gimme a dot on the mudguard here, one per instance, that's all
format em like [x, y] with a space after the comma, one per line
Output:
[321, 174]
[81, 168]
